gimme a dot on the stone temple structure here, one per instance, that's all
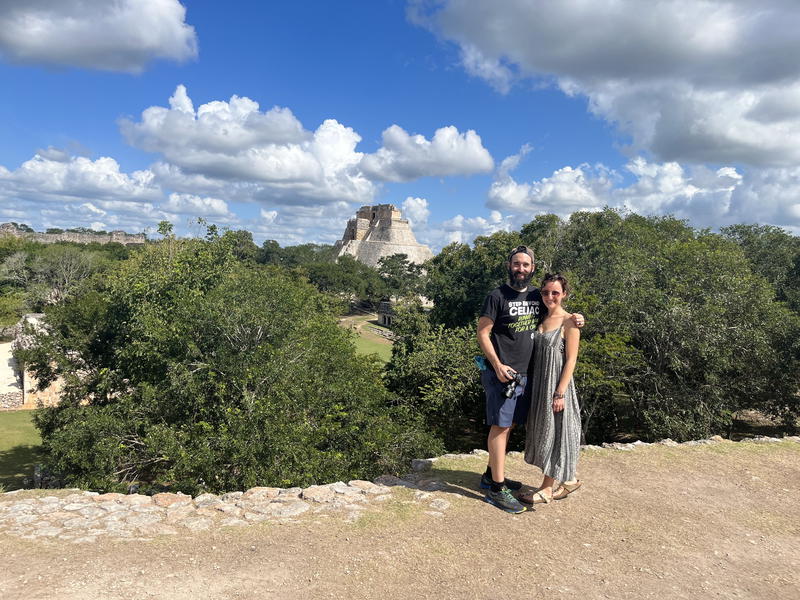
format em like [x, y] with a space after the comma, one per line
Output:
[378, 231]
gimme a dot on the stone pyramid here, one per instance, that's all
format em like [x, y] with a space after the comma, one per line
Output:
[378, 231]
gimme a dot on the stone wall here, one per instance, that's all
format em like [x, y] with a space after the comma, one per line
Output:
[17, 386]
[11, 396]
[11, 401]
[32, 398]
[68, 236]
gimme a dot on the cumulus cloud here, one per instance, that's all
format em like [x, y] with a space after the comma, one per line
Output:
[81, 192]
[189, 204]
[54, 190]
[59, 180]
[123, 35]
[704, 196]
[269, 153]
[301, 224]
[404, 157]
[463, 229]
[236, 150]
[416, 211]
[714, 81]
[567, 190]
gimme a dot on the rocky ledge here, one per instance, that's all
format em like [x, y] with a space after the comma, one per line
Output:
[85, 516]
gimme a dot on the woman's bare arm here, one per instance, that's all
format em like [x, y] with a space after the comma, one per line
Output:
[572, 340]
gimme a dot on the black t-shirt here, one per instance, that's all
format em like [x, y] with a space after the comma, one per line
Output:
[515, 315]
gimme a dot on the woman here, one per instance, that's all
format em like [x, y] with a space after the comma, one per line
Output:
[552, 439]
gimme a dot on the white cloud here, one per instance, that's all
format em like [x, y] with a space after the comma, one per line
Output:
[416, 211]
[58, 192]
[404, 157]
[566, 191]
[301, 224]
[705, 197]
[123, 35]
[189, 204]
[268, 154]
[54, 154]
[768, 196]
[268, 216]
[61, 180]
[236, 151]
[714, 81]
[492, 70]
[463, 229]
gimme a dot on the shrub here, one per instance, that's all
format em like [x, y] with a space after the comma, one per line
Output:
[190, 370]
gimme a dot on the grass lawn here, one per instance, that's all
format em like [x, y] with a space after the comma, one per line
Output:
[366, 344]
[19, 447]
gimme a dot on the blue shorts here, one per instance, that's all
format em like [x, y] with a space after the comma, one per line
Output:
[502, 411]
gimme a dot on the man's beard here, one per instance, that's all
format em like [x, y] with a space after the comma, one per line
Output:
[519, 280]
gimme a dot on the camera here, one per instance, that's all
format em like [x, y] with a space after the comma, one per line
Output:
[516, 379]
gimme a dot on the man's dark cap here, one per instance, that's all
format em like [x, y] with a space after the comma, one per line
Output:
[524, 250]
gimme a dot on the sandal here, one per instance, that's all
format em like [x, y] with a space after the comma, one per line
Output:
[536, 497]
[565, 489]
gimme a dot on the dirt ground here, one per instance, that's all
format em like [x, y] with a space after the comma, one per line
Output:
[717, 521]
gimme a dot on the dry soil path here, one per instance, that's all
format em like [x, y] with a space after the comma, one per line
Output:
[715, 520]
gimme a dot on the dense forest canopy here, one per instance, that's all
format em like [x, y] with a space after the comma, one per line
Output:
[217, 364]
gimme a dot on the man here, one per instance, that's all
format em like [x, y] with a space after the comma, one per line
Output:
[506, 326]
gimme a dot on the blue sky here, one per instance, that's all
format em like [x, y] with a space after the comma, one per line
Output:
[283, 118]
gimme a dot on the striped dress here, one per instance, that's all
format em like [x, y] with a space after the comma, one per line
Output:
[552, 440]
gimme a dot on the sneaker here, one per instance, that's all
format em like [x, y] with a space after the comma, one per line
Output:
[505, 501]
[486, 483]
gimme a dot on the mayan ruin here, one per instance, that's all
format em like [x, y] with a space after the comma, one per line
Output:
[119, 237]
[378, 231]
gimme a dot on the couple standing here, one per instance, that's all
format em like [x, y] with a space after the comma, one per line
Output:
[525, 333]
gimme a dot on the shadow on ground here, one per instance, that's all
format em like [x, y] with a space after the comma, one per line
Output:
[17, 463]
[463, 483]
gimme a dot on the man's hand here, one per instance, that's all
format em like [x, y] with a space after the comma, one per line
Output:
[502, 373]
[578, 320]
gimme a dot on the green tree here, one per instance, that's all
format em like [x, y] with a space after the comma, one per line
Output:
[295, 256]
[699, 318]
[772, 253]
[401, 277]
[459, 277]
[433, 372]
[347, 278]
[188, 369]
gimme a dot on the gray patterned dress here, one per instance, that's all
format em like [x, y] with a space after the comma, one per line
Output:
[552, 440]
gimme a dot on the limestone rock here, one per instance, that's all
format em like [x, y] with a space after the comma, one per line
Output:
[204, 500]
[164, 500]
[619, 446]
[260, 492]
[197, 523]
[368, 487]
[318, 493]
[287, 509]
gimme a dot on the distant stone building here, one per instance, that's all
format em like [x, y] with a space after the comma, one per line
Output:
[378, 231]
[18, 387]
[73, 236]
[386, 314]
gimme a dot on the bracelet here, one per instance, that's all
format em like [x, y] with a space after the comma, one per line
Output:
[557, 396]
